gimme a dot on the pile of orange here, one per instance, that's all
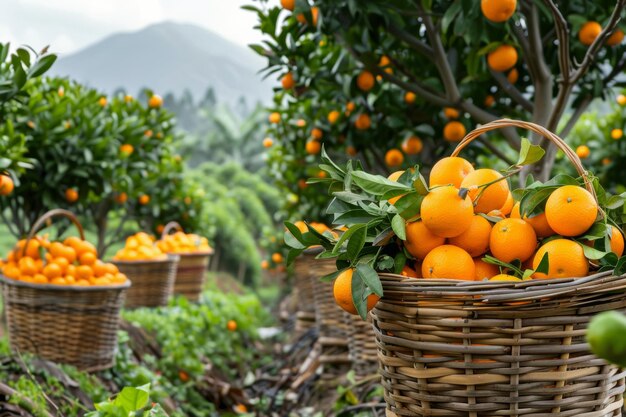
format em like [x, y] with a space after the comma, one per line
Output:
[71, 262]
[181, 242]
[140, 247]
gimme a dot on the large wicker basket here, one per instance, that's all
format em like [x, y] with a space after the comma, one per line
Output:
[66, 324]
[303, 291]
[191, 271]
[153, 281]
[463, 348]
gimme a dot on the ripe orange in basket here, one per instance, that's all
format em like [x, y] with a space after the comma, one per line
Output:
[617, 241]
[571, 210]
[538, 222]
[449, 261]
[498, 10]
[450, 170]
[484, 270]
[475, 240]
[504, 277]
[52, 271]
[487, 189]
[445, 213]
[84, 272]
[87, 258]
[409, 272]
[565, 257]
[342, 291]
[420, 240]
[512, 239]
[508, 205]
[394, 176]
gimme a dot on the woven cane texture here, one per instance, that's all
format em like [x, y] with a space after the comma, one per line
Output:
[303, 290]
[361, 345]
[152, 281]
[463, 348]
[66, 324]
[191, 274]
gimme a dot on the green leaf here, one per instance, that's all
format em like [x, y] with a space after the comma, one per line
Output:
[292, 242]
[346, 235]
[359, 294]
[593, 253]
[420, 186]
[529, 153]
[534, 199]
[293, 230]
[398, 224]
[376, 184]
[356, 243]
[133, 399]
[409, 205]
[385, 263]
[370, 278]
[293, 254]
[544, 264]
[597, 231]
[42, 65]
[398, 262]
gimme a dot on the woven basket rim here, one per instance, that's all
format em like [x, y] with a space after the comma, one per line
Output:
[54, 287]
[497, 291]
[170, 258]
[192, 254]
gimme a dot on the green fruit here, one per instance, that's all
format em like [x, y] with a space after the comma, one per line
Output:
[607, 337]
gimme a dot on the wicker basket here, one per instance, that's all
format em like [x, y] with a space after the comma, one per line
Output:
[303, 291]
[66, 324]
[191, 271]
[463, 348]
[153, 281]
[332, 328]
[361, 345]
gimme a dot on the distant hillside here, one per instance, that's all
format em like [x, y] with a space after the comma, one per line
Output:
[169, 57]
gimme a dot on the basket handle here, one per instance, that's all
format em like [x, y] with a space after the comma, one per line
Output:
[48, 216]
[560, 143]
[169, 227]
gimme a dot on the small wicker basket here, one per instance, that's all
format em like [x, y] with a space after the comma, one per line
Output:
[463, 348]
[191, 271]
[361, 345]
[67, 324]
[153, 281]
[303, 291]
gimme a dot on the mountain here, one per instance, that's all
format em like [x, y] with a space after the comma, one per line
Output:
[169, 57]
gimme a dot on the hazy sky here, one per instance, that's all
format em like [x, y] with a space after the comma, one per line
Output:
[69, 25]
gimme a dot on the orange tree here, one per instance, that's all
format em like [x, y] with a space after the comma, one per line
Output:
[372, 74]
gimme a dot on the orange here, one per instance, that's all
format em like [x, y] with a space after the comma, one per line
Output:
[449, 261]
[127, 149]
[300, 122]
[61, 92]
[475, 240]
[27, 266]
[71, 270]
[616, 37]
[128, 98]
[99, 269]
[84, 272]
[484, 270]
[454, 131]
[58, 281]
[412, 145]
[231, 325]
[606, 161]
[490, 100]
[313, 147]
[87, 258]
[365, 81]
[583, 151]
[11, 271]
[27, 278]
[102, 101]
[351, 150]
[350, 106]
[69, 254]
[450, 170]
[121, 198]
[32, 250]
[566, 259]
[498, 10]
[512, 239]
[155, 101]
[342, 291]
[486, 197]
[538, 222]
[508, 205]
[316, 133]
[571, 210]
[265, 264]
[504, 277]
[287, 81]
[363, 122]
[72, 241]
[394, 177]
[621, 100]
[394, 157]
[40, 279]
[84, 247]
[56, 249]
[409, 97]
[148, 133]
[503, 58]
[513, 76]
[111, 268]
[385, 62]
[274, 117]
[617, 134]
[144, 199]
[277, 258]
[450, 113]
[314, 14]
[420, 240]
[617, 241]
[288, 4]
[62, 262]
[52, 271]
[241, 409]
[333, 116]
[445, 213]
[409, 272]
[6, 185]
[589, 32]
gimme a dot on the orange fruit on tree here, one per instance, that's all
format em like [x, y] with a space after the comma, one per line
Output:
[621, 100]
[498, 10]
[409, 272]
[333, 116]
[316, 133]
[538, 222]
[475, 240]
[512, 239]
[121, 198]
[102, 101]
[616, 37]
[231, 325]
[155, 101]
[616, 134]
[148, 133]
[71, 195]
[394, 176]
[128, 98]
[583, 151]
[144, 199]
[365, 81]
[571, 210]
[127, 149]
[412, 145]
[409, 97]
[503, 58]
[449, 170]
[351, 150]
[448, 261]
[287, 81]
[300, 122]
[445, 213]
[566, 259]
[267, 142]
[313, 147]
[617, 241]
[288, 4]
[490, 100]
[363, 122]
[274, 118]
[454, 131]
[589, 32]
[342, 291]
[487, 189]
[513, 76]
[314, 15]
[350, 106]
[420, 240]
[277, 258]
[6, 185]
[394, 157]
[484, 270]
[450, 113]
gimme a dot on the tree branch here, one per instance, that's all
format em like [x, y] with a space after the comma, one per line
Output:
[562, 34]
[412, 41]
[513, 92]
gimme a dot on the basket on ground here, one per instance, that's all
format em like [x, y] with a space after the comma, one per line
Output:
[153, 281]
[468, 348]
[67, 324]
[361, 345]
[303, 289]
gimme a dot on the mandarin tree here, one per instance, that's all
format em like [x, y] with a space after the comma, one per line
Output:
[475, 62]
